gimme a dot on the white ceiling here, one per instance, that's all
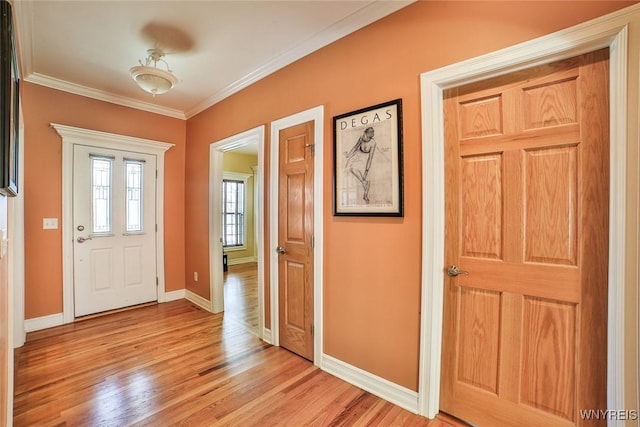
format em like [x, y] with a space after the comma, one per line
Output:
[215, 48]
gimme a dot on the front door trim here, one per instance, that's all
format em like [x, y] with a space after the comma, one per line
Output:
[608, 31]
[317, 115]
[72, 136]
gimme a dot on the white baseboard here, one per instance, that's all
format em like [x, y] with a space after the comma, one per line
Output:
[44, 322]
[385, 389]
[198, 300]
[175, 295]
[52, 320]
[266, 336]
[243, 260]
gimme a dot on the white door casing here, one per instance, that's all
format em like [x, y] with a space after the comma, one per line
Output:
[72, 136]
[608, 31]
[116, 267]
[216, 153]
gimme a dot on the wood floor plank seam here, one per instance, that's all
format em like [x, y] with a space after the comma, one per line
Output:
[232, 360]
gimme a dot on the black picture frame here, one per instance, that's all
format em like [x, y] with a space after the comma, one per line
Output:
[10, 103]
[367, 161]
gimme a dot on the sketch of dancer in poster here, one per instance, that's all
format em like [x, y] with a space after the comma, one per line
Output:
[359, 160]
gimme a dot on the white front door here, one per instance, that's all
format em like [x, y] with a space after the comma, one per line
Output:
[114, 220]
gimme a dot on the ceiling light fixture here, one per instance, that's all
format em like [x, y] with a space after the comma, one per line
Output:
[149, 77]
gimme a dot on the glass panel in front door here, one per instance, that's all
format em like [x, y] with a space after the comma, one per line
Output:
[101, 194]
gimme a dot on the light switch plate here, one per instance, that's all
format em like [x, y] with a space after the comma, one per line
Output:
[50, 223]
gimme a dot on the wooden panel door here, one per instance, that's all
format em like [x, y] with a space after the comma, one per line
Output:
[295, 239]
[527, 180]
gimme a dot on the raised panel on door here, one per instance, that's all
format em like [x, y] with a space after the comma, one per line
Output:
[481, 206]
[295, 312]
[549, 345]
[138, 271]
[551, 204]
[295, 218]
[101, 278]
[479, 311]
[133, 266]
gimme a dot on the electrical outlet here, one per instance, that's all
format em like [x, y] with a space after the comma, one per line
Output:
[195, 276]
[50, 223]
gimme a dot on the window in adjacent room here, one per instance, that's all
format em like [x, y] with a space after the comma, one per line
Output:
[234, 191]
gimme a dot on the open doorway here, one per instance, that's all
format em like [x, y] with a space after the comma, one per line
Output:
[239, 234]
[236, 225]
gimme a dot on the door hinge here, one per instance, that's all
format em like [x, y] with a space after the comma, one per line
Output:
[313, 149]
[156, 228]
[157, 281]
[156, 173]
[312, 329]
[313, 242]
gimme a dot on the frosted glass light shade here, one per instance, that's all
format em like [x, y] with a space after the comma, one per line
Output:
[153, 80]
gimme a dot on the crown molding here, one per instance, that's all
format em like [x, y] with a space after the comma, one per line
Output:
[102, 95]
[357, 20]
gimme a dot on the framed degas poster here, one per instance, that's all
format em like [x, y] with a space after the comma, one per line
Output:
[367, 161]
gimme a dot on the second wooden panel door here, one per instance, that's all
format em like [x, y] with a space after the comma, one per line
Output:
[295, 239]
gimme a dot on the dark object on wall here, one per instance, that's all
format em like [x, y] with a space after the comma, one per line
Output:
[9, 103]
[225, 263]
[367, 161]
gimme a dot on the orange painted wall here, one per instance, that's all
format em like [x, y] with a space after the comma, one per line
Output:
[43, 184]
[372, 266]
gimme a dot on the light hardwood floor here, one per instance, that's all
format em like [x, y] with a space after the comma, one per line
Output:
[241, 295]
[175, 364]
